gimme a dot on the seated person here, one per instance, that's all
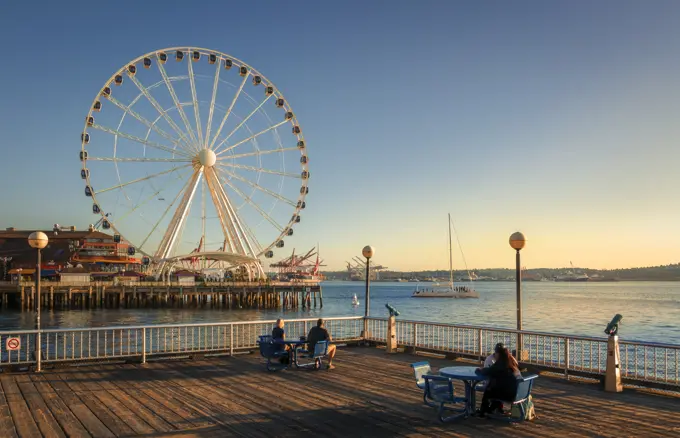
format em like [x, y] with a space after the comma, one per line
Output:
[503, 375]
[490, 360]
[279, 335]
[318, 334]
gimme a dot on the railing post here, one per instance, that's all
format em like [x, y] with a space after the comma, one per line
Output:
[231, 339]
[38, 352]
[566, 358]
[415, 337]
[143, 345]
[480, 346]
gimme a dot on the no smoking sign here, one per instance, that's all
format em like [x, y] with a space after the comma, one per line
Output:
[13, 344]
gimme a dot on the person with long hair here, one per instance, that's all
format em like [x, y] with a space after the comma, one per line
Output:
[503, 375]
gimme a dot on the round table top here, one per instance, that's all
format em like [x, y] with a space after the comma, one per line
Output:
[463, 373]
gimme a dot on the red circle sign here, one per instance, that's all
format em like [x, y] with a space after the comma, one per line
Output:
[13, 343]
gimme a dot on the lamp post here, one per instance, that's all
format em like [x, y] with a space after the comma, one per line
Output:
[37, 240]
[517, 242]
[368, 253]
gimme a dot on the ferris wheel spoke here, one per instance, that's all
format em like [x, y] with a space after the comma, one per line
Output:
[136, 139]
[160, 109]
[253, 204]
[231, 107]
[147, 123]
[197, 113]
[175, 100]
[135, 181]
[264, 131]
[208, 126]
[260, 188]
[141, 160]
[165, 213]
[259, 169]
[243, 122]
[147, 200]
[253, 154]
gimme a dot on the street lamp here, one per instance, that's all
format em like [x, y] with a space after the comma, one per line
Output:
[517, 242]
[37, 240]
[368, 253]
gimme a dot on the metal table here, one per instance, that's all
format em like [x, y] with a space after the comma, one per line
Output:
[293, 348]
[470, 378]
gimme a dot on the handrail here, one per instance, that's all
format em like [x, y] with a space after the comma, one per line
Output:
[529, 332]
[166, 326]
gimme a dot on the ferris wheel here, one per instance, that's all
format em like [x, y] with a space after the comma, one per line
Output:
[193, 156]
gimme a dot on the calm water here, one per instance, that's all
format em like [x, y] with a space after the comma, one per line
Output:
[651, 310]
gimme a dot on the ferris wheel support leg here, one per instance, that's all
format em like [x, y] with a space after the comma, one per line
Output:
[178, 219]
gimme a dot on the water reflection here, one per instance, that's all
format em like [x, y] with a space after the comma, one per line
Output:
[651, 310]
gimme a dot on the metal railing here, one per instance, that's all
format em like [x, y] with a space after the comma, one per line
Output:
[143, 342]
[639, 361]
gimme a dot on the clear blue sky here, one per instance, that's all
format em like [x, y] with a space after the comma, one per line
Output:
[559, 119]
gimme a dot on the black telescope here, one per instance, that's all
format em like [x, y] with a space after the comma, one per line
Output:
[392, 310]
[613, 327]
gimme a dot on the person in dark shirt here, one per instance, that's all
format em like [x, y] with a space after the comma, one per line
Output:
[318, 334]
[278, 334]
[503, 375]
[279, 337]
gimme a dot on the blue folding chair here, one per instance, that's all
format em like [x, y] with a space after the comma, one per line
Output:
[524, 387]
[440, 391]
[421, 369]
[271, 350]
[320, 351]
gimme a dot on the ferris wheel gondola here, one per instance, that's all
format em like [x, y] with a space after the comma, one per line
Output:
[188, 152]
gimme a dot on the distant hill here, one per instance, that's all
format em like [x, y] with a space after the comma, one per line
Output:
[650, 273]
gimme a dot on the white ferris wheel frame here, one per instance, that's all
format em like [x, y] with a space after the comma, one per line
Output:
[241, 247]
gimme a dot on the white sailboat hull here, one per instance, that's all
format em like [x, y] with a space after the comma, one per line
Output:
[444, 294]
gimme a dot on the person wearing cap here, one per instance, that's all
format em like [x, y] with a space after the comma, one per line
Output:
[318, 334]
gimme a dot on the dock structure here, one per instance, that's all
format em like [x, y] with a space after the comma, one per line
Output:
[97, 295]
[370, 393]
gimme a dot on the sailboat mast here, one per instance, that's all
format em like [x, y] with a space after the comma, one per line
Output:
[450, 255]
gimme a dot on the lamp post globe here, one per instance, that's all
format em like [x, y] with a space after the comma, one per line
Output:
[38, 240]
[517, 241]
[368, 251]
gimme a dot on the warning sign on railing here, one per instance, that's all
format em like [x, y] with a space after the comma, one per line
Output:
[13, 344]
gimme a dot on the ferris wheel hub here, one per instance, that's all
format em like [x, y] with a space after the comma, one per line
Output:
[207, 157]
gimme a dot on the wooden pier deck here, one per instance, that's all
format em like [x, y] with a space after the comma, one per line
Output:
[370, 393]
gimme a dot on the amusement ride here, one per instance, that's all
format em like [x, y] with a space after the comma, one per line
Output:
[197, 160]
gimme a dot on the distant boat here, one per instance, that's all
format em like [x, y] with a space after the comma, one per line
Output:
[355, 301]
[573, 275]
[450, 290]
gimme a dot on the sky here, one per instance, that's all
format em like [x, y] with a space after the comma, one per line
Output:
[558, 119]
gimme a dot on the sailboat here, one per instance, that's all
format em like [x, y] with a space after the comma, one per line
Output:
[355, 301]
[450, 290]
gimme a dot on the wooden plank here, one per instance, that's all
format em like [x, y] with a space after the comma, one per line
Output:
[86, 417]
[67, 420]
[145, 414]
[129, 417]
[370, 393]
[24, 423]
[72, 378]
[6, 423]
[44, 418]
